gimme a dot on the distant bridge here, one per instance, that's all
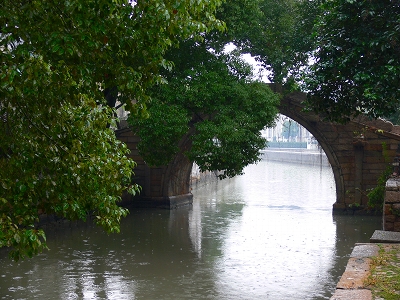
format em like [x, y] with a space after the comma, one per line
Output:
[354, 150]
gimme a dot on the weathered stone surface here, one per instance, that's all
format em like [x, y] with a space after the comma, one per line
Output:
[346, 156]
[374, 124]
[391, 212]
[395, 130]
[384, 125]
[382, 236]
[357, 270]
[393, 184]
[377, 157]
[373, 146]
[387, 209]
[352, 295]
[392, 196]
[364, 250]
[389, 218]
[351, 285]
[388, 226]
[396, 207]
[371, 177]
[396, 226]
[339, 206]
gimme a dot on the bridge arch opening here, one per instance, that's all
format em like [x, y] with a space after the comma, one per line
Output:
[295, 130]
[288, 142]
[309, 122]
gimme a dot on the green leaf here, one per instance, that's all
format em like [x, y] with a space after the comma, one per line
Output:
[17, 238]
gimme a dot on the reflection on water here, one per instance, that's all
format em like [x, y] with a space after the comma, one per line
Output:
[268, 234]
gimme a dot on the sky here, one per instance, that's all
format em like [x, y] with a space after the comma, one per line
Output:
[248, 58]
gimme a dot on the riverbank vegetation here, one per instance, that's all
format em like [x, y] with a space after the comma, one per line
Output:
[384, 278]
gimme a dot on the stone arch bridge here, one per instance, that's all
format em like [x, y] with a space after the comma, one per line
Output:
[355, 152]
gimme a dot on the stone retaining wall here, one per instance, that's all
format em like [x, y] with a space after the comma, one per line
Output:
[352, 284]
[391, 208]
[298, 156]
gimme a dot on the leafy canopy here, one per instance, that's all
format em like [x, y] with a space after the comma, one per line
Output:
[277, 33]
[58, 152]
[210, 98]
[352, 46]
[108, 43]
[357, 59]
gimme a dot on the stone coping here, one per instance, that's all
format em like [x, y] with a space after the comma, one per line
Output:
[352, 295]
[393, 184]
[351, 285]
[381, 236]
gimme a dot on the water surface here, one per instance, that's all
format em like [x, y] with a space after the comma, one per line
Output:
[268, 234]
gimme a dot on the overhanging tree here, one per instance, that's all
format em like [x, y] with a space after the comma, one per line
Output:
[278, 33]
[58, 152]
[357, 61]
[210, 97]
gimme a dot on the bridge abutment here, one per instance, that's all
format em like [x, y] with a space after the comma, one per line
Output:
[162, 187]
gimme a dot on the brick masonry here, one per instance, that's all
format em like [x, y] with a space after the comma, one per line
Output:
[391, 211]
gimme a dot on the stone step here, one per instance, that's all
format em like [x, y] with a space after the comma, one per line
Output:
[381, 236]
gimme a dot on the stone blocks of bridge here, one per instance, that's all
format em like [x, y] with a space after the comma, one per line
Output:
[358, 163]
[355, 150]
[157, 184]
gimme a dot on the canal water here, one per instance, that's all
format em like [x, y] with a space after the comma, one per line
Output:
[268, 234]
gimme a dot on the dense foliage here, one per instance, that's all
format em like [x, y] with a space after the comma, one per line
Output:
[58, 152]
[278, 33]
[357, 59]
[284, 42]
[352, 45]
[210, 97]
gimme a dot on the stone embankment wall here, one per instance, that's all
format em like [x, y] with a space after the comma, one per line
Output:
[299, 156]
[391, 208]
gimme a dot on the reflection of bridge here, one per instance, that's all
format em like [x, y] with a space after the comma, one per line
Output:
[354, 150]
